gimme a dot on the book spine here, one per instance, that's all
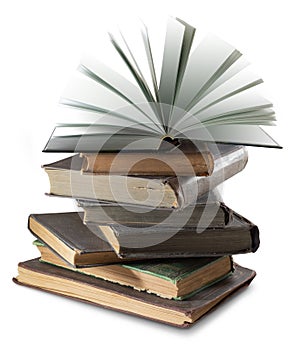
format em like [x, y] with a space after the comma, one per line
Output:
[189, 189]
[151, 164]
[253, 230]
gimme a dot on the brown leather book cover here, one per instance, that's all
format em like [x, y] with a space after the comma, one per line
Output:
[36, 274]
[150, 164]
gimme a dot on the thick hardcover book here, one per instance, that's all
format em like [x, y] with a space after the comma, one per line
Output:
[78, 244]
[66, 235]
[239, 236]
[66, 179]
[172, 278]
[215, 213]
[184, 313]
[204, 95]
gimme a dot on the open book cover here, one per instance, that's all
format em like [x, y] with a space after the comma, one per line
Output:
[205, 92]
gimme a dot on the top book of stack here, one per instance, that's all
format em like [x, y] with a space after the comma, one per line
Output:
[200, 96]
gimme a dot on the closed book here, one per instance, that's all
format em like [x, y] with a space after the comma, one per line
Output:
[66, 179]
[215, 213]
[76, 243]
[184, 313]
[239, 236]
[172, 278]
[185, 160]
[67, 236]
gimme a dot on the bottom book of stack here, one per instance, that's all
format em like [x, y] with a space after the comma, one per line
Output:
[177, 292]
[87, 288]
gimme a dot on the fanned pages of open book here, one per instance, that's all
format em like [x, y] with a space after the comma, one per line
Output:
[203, 94]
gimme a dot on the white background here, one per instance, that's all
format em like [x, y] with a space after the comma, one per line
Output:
[41, 44]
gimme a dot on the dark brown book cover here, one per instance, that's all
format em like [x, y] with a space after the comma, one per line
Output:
[67, 236]
[216, 213]
[80, 245]
[239, 236]
[113, 296]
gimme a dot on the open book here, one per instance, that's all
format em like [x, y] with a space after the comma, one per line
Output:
[203, 94]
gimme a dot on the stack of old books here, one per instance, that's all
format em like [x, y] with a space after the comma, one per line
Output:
[151, 237]
[139, 259]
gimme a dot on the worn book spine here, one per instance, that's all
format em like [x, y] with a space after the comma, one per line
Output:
[151, 164]
[189, 189]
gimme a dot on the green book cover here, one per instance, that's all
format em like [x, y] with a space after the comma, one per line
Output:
[172, 270]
